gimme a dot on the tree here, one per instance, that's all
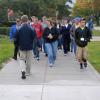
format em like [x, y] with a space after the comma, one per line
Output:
[86, 8]
[35, 7]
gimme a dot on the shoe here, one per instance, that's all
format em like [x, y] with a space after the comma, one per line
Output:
[81, 66]
[15, 58]
[34, 56]
[65, 54]
[38, 58]
[50, 65]
[46, 54]
[23, 75]
[28, 74]
[85, 64]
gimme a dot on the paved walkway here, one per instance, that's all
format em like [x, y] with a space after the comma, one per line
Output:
[96, 38]
[97, 28]
[64, 81]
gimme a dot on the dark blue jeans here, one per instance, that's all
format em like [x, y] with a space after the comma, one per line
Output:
[51, 51]
[73, 46]
[35, 48]
[44, 47]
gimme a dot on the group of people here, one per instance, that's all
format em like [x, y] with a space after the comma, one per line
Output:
[35, 36]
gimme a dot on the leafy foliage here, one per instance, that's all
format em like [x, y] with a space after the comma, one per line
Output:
[34, 7]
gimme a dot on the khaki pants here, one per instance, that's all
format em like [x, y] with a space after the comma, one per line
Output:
[26, 60]
[81, 53]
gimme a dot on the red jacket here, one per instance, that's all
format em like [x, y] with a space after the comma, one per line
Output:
[38, 29]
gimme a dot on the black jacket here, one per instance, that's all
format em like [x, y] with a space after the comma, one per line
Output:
[65, 32]
[55, 33]
[24, 37]
[82, 36]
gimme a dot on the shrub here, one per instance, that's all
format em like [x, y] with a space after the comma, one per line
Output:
[4, 30]
[6, 24]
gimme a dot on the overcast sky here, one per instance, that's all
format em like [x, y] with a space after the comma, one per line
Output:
[73, 0]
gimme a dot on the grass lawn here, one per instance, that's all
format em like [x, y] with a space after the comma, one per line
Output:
[94, 55]
[96, 32]
[6, 49]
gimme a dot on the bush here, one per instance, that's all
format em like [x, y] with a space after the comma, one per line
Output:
[4, 30]
[6, 24]
[6, 49]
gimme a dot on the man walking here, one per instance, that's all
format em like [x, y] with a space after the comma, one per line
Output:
[65, 32]
[24, 38]
[82, 37]
[13, 31]
[38, 28]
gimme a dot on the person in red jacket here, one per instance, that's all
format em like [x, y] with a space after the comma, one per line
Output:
[38, 28]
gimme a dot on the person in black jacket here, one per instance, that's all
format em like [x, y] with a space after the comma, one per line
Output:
[25, 38]
[51, 36]
[82, 37]
[65, 32]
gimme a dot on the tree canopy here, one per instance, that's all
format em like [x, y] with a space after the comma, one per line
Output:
[34, 7]
[86, 8]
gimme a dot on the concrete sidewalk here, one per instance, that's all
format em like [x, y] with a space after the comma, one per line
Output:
[96, 38]
[64, 81]
[97, 27]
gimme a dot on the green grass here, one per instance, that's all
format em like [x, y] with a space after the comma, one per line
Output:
[6, 49]
[96, 32]
[94, 55]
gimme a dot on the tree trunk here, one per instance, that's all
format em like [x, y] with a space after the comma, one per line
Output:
[97, 19]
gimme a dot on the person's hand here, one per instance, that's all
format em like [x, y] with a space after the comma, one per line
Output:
[39, 49]
[50, 36]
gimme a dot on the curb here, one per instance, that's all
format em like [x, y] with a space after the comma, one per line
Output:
[94, 71]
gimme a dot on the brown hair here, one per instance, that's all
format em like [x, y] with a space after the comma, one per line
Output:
[24, 18]
[52, 22]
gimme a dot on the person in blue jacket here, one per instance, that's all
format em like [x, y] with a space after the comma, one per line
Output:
[90, 26]
[13, 31]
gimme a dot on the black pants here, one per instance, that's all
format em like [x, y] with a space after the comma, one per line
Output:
[15, 50]
[66, 45]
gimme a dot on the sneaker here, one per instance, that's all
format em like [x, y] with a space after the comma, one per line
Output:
[38, 58]
[50, 65]
[23, 75]
[15, 58]
[65, 54]
[28, 74]
[34, 56]
[81, 66]
[85, 64]
[46, 55]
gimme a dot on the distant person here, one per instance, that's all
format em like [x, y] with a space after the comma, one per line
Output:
[33, 19]
[75, 25]
[38, 28]
[90, 25]
[82, 37]
[13, 31]
[25, 38]
[44, 25]
[60, 36]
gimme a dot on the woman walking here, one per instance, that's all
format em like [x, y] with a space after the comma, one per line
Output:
[51, 36]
